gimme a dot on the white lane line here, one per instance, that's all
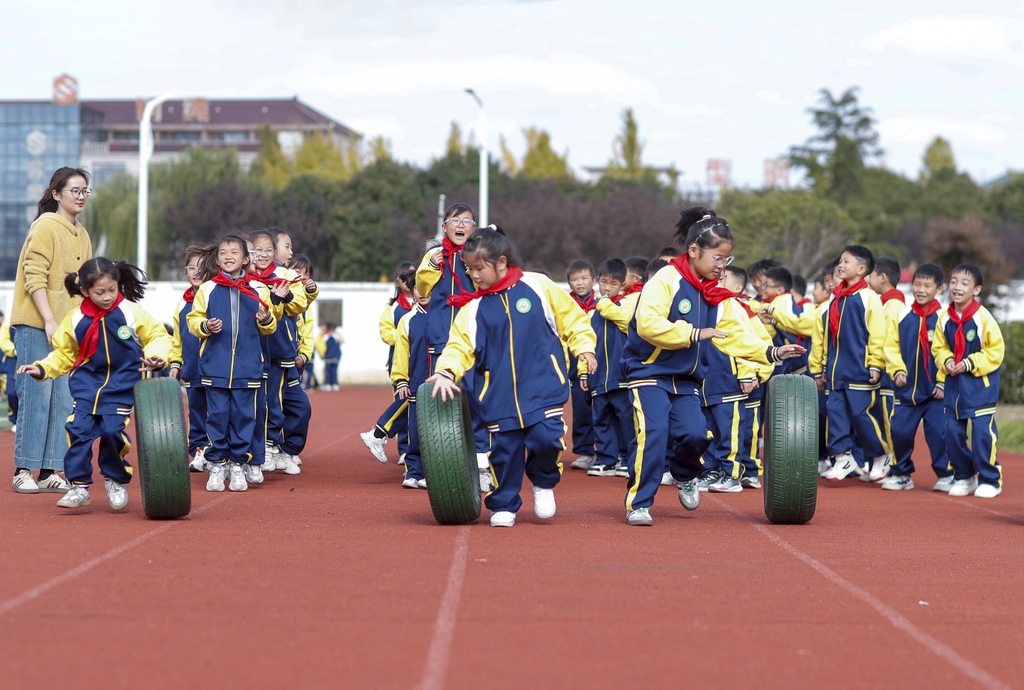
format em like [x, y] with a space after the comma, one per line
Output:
[968, 504]
[31, 594]
[444, 626]
[898, 620]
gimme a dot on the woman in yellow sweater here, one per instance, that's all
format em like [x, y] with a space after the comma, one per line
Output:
[56, 245]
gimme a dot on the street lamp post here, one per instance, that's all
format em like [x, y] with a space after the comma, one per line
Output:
[481, 130]
[145, 153]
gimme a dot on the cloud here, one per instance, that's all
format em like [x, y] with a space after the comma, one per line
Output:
[921, 130]
[971, 36]
[773, 97]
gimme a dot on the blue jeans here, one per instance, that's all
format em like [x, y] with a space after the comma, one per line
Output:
[43, 408]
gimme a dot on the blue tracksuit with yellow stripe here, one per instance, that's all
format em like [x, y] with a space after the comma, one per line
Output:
[395, 419]
[972, 396]
[613, 424]
[410, 367]
[231, 367]
[102, 386]
[791, 327]
[512, 341]
[663, 366]
[916, 402]
[845, 360]
[185, 356]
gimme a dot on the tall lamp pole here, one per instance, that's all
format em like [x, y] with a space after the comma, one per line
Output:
[481, 130]
[145, 153]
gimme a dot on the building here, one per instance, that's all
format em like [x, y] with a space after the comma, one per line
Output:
[37, 137]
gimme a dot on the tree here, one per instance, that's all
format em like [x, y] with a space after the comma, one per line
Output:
[454, 145]
[540, 160]
[952, 242]
[508, 158]
[627, 150]
[321, 155]
[380, 148]
[834, 157]
[271, 166]
[112, 216]
[938, 161]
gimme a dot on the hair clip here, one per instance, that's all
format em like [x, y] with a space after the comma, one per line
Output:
[705, 217]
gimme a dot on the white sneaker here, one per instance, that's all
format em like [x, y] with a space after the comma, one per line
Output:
[863, 475]
[963, 487]
[503, 518]
[410, 483]
[751, 482]
[987, 491]
[486, 480]
[14, 428]
[24, 483]
[76, 497]
[689, 494]
[401, 459]
[543, 503]
[237, 475]
[944, 484]
[289, 465]
[198, 463]
[376, 445]
[483, 460]
[641, 517]
[726, 485]
[116, 494]
[845, 466]
[823, 467]
[880, 467]
[421, 484]
[583, 462]
[218, 471]
[898, 482]
[298, 461]
[253, 473]
[54, 484]
[667, 479]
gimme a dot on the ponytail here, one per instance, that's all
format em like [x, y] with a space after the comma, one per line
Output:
[131, 280]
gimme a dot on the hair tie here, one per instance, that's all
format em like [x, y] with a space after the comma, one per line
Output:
[705, 217]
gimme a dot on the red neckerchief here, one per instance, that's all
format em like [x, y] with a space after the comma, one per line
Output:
[804, 302]
[510, 279]
[190, 295]
[746, 307]
[840, 291]
[959, 341]
[894, 294]
[241, 284]
[267, 277]
[922, 335]
[772, 299]
[92, 334]
[617, 298]
[448, 254]
[634, 288]
[714, 293]
[403, 301]
[587, 305]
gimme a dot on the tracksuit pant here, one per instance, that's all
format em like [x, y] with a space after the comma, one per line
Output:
[535, 451]
[612, 425]
[725, 422]
[288, 410]
[331, 372]
[395, 422]
[668, 426]
[582, 420]
[750, 432]
[413, 456]
[196, 418]
[83, 429]
[906, 418]
[853, 411]
[231, 425]
[884, 407]
[980, 458]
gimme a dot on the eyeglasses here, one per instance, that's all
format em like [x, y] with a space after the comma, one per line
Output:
[462, 222]
[263, 252]
[80, 193]
[191, 269]
[722, 261]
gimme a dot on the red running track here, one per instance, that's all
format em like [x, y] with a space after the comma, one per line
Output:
[340, 578]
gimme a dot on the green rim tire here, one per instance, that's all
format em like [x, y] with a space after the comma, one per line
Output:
[449, 457]
[791, 450]
[163, 449]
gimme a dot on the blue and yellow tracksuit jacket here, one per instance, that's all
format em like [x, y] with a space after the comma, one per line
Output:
[185, 350]
[903, 355]
[103, 384]
[724, 375]
[307, 339]
[9, 362]
[859, 347]
[662, 348]
[974, 393]
[440, 316]
[388, 327]
[410, 366]
[232, 358]
[610, 322]
[512, 340]
[793, 324]
[281, 346]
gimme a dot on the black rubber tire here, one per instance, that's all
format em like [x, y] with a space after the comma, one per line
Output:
[449, 457]
[163, 449]
[791, 450]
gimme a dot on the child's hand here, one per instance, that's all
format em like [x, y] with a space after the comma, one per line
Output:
[709, 333]
[436, 257]
[591, 361]
[262, 314]
[584, 386]
[749, 387]
[30, 369]
[443, 385]
[938, 393]
[151, 364]
[403, 393]
[790, 351]
[282, 289]
[874, 377]
[956, 369]
[310, 285]
[900, 380]
[766, 318]
[175, 372]
[214, 325]
[300, 361]
[820, 383]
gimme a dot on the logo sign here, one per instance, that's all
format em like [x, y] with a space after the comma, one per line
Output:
[523, 305]
[931, 334]
[35, 143]
[685, 306]
[971, 335]
[65, 90]
[124, 333]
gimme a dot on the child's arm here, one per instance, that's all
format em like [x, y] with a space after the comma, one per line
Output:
[781, 311]
[941, 352]
[652, 322]
[427, 275]
[6, 344]
[386, 326]
[763, 371]
[400, 362]
[816, 358]
[306, 339]
[459, 354]
[198, 324]
[741, 342]
[990, 357]
[175, 358]
[573, 327]
[63, 356]
[299, 298]
[267, 322]
[877, 322]
[156, 344]
[620, 314]
[894, 364]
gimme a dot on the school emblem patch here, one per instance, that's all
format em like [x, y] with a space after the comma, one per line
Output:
[931, 334]
[685, 306]
[523, 305]
[124, 333]
[971, 335]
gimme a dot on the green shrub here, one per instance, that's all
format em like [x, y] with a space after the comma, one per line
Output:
[1011, 436]
[1011, 388]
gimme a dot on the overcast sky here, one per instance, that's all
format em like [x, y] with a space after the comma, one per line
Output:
[706, 79]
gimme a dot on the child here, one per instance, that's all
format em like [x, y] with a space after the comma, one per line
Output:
[848, 361]
[756, 277]
[199, 268]
[303, 267]
[636, 273]
[666, 254]
[10, 365]
[682, 307]
[409, 370]
[800, 290]
[884, 280]
[102, 343]
[791, 324]
[969, 346]
[230, 313]
[612, 417]
[654, 266]
[332, 355]
[510, 331]
[919, 384]
[581, 279]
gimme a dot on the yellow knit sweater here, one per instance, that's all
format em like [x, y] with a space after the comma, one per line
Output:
[53, 249]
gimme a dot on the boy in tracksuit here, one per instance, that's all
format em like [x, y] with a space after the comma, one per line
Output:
[581, 279]
[847, 361]
[969, 346]
[919, 384]
[410, 367]
[883, 280]
[9, 364]
[792, 322]
[613, 423]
